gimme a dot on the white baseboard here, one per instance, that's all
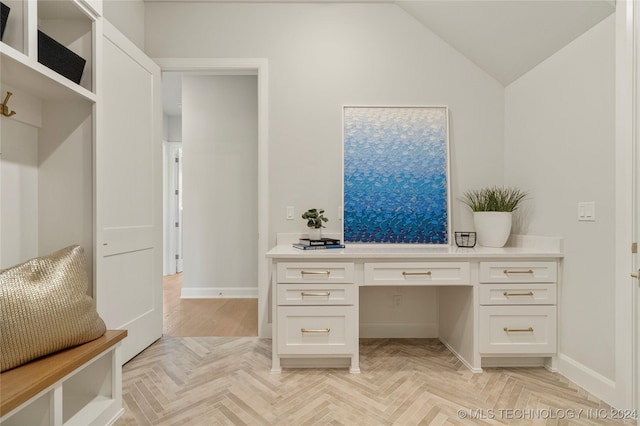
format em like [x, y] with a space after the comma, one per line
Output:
[395, 330]
[460, 357]
[593, 382]
[219, 293]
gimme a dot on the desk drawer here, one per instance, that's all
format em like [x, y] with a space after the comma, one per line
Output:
[518, 294]
[315, 330]
[518, 272]
[517, 329]
[417, 273]
[316, 294]
[310, 272]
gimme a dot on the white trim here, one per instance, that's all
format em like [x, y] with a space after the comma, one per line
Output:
[635, 146]
[242, 65]
[621, 395]
[460, 357]
[219, 293]
[594, 382]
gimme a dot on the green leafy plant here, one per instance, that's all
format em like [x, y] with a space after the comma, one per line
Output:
[315, 218]
[494, 199]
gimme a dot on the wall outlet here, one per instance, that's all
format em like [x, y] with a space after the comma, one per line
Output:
[397, 301]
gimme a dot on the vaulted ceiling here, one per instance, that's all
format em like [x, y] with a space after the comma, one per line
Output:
[508, 38]
[505, 38]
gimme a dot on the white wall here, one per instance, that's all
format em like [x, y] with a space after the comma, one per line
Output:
[65, 178]
[174, 130]
[220, 176]
[559, 144]
[323, 56]
[47, 182]
[128, 17]
[19, 192]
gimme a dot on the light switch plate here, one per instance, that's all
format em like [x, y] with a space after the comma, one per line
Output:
[290, 212]
[587, 211]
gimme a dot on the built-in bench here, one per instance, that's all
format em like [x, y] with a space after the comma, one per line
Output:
[77, 386]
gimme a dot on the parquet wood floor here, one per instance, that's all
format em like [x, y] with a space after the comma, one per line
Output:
[227, 381]
[206, 317]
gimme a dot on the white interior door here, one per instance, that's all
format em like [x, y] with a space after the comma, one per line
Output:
[173, 212]
[178, 209]
[129, 193]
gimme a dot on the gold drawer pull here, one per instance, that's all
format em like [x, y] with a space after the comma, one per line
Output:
[507, 272]
[517, 294]
[315, 272]
[314, 330]
[518, 330]
[406, 274]
[323, 294]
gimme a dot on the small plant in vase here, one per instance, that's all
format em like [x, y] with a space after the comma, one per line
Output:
[493, 209]
[315, 222]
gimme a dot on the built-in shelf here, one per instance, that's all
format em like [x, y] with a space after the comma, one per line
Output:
[71, 23]
[26, 74]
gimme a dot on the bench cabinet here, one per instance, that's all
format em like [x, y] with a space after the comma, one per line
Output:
[78, 386]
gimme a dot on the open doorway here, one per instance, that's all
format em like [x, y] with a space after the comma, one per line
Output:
[211, 196]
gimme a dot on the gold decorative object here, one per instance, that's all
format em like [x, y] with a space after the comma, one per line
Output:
[518, 330]
[44, 307]
[4, 108]
[517, 294]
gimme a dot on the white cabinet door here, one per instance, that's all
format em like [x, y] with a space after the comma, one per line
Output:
[129, 192]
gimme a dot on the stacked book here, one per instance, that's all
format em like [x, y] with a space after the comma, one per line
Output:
[322, 243]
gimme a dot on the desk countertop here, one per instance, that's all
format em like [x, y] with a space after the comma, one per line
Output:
[417, 252]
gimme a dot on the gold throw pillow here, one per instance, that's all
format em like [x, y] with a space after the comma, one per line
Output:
[44, 307]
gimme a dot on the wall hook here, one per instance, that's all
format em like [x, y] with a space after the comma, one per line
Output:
[4, 108]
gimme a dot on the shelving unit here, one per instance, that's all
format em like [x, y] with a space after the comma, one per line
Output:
[47, 202]
[51, 138]
[61, 168]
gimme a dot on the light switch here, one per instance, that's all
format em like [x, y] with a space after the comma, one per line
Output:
[290, 212]
[587, 211]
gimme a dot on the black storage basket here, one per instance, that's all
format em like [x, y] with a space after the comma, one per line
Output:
[60, 59]
[465, 239]
[4, 15]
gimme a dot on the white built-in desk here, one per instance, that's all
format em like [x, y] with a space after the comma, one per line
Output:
[496, 306]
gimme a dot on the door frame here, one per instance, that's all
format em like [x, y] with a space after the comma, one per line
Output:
[626, 350]
[244, 66]
[634, 10]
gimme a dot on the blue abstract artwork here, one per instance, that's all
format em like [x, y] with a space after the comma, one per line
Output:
[396, 170]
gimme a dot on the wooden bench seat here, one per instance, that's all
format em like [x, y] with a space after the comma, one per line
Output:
[22, 383]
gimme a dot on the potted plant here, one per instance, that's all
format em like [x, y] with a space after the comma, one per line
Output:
[493, 209]
[315, 222]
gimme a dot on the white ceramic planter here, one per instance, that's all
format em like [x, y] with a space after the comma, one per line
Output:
[315, 233]
[492, 228]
